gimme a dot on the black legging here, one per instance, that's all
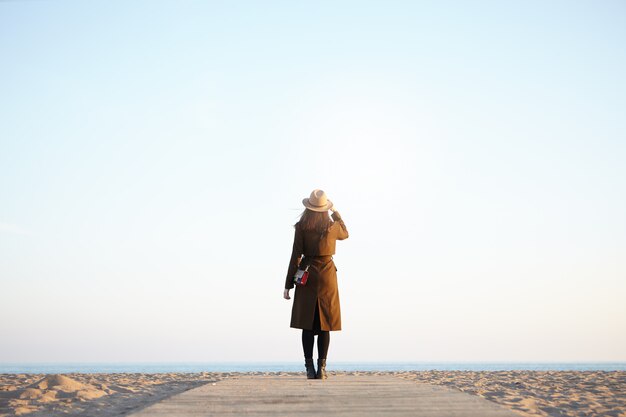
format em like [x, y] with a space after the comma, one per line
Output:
[323, 339]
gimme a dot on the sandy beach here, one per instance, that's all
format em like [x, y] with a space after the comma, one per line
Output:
[540, 393]
[528, 393]
[91, 394]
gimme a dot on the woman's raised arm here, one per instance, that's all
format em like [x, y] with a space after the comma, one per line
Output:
[342, 232]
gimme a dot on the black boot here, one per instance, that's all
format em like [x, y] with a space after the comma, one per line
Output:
[321, 369]
[310, 370]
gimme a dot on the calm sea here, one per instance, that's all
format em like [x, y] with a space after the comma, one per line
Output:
[49, 368]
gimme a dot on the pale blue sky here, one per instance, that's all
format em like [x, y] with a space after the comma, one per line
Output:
[154, 155]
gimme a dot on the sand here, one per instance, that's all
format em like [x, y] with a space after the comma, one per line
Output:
[534, 393]
[528, 393]
[90, 394]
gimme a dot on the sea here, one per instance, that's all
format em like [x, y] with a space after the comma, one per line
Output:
[196, 367]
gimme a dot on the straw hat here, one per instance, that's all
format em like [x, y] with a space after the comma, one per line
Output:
[317, 201]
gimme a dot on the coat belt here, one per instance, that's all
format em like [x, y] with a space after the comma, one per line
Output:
[320, 257]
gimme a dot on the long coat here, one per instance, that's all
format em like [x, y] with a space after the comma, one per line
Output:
[321, 287]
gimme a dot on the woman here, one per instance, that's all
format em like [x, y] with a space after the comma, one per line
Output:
[316, 304]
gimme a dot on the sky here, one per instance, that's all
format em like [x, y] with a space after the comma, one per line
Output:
[154, 155]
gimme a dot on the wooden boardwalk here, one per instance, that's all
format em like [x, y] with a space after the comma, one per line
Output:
[340, 395]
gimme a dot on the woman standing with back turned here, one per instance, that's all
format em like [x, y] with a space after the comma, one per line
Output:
[316, 304]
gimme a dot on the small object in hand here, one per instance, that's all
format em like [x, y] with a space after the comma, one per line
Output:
[302, 275]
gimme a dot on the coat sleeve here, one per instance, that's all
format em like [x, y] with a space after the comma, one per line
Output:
[342, 233]
[296, 254]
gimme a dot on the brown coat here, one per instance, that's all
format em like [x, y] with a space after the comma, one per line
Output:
[321, 287]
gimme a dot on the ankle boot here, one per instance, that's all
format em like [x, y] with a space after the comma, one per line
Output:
[310, 369]
[321, 369]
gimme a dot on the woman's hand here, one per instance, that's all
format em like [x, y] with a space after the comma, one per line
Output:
[286, 294]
